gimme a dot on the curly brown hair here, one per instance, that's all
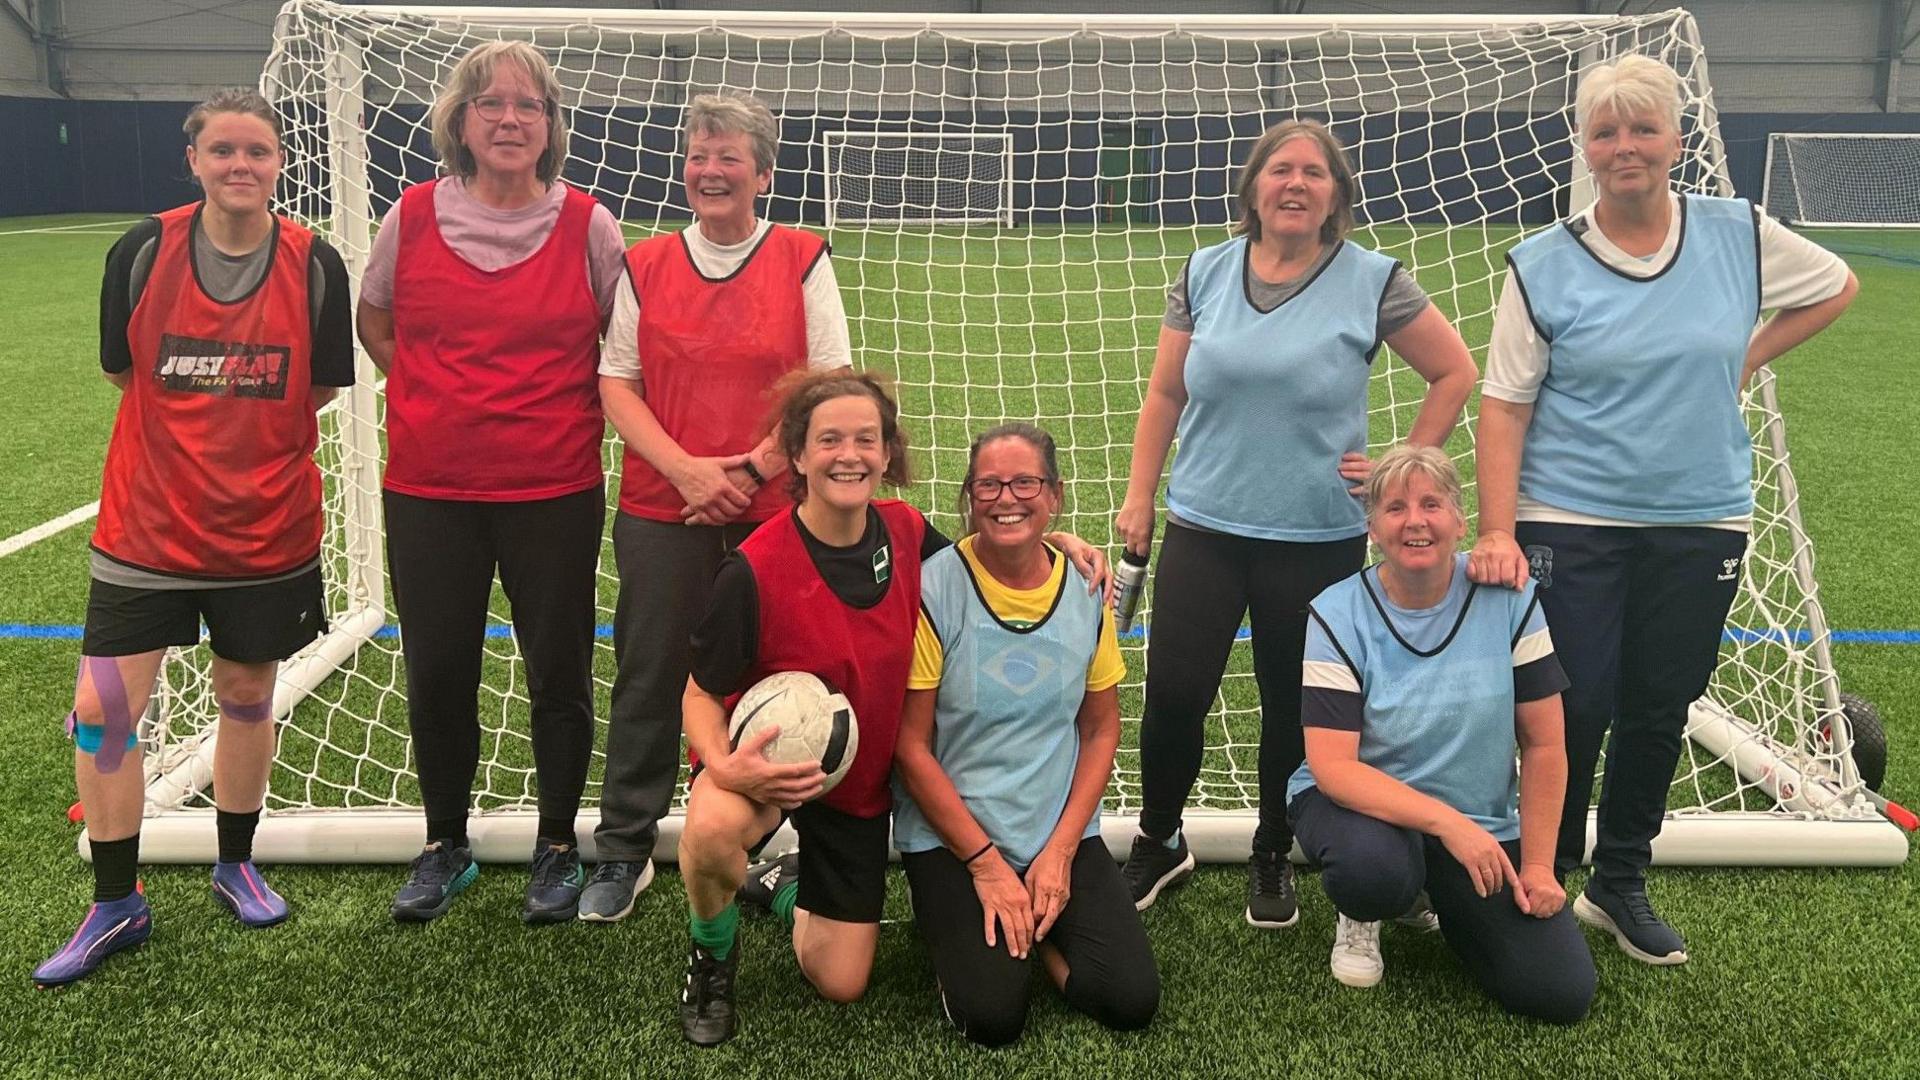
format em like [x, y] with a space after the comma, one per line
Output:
[802, 392]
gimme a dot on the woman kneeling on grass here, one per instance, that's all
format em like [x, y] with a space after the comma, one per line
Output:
[225, 327]
[831, 587]
[1006, 743]
[1417, 686]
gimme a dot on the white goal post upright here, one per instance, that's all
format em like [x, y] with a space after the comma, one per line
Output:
[1041, 179]
[1850, 180]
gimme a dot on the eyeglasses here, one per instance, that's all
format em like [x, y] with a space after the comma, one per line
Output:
[525, 110]
[987, 488]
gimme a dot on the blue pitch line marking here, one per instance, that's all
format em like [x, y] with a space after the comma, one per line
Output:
[40, 632]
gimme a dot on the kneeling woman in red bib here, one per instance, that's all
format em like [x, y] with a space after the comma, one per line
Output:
[224, 326]
[831, 587]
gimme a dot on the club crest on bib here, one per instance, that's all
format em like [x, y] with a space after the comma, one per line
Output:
[1540, 564]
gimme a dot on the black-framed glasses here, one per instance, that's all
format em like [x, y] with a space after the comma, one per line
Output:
[987, 488]
[526, 110]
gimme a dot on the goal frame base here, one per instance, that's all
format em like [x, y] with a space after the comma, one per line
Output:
[395, 836]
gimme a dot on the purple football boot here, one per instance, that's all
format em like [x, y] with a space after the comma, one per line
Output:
[240, 887]
[108, 928]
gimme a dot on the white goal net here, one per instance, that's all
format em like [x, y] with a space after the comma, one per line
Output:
[1865, 181]
[1008, 199]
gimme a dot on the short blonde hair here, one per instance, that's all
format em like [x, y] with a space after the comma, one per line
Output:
[727, 113]
[1631, 86]
[470, 78]
[1340, 222]
[1402, 463]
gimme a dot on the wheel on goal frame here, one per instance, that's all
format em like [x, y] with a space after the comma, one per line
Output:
[1869, 739]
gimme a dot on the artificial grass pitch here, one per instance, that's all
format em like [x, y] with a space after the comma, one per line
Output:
[1795, 972]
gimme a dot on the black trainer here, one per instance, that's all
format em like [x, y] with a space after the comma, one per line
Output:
[438, 874]
[553, 892]
[1627, 914]
[1272, 903]
[765, 880]
[706, 1001]
[1152, 866]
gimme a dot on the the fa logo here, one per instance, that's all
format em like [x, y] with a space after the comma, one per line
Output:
[1729, 569]
[882, 564]
[1540, 564]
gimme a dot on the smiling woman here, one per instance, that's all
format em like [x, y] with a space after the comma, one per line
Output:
[483, 301]
[225, 327]
[1262, 372]
[706, 321]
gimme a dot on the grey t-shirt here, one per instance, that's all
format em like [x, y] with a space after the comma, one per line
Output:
[1403, 300]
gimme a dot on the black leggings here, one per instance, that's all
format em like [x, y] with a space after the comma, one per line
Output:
[1110, 971]
[442, 555]
[1203, 584]
[1372, 870]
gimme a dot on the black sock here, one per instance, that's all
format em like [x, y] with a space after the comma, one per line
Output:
[449, 831]
[554, 832]
[116, 866]
[236, 834]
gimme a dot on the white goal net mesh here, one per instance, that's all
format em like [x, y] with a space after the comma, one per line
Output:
[1120, 142]
[1861, 180]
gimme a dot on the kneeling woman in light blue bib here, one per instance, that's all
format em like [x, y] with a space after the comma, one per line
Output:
[1006, 744]
[1418, 689]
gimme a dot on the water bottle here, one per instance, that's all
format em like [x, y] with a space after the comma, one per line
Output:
[1129, 584]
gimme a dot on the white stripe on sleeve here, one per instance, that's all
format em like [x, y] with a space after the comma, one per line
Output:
[1330, 675]
[1532, 647]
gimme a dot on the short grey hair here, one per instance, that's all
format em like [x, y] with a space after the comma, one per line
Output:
[470, 78]
[727, 113]
[1631, 86]
[1402, 463]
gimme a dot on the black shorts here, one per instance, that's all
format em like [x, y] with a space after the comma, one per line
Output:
[843, 863]
[247, 624]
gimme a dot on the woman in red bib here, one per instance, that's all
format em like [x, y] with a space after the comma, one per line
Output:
[224, 326]
[707, 320]
[483, 302]
[831, 587]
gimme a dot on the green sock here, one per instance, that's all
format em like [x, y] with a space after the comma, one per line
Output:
[783, 901]
[716, 934]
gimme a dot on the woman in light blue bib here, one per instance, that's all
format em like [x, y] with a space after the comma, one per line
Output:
[1262, 372]
[1614, 461]
[1006, 744]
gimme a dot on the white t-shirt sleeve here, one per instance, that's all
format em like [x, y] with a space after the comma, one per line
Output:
[376, 281]
[620, 353]
[1516, 353]
[828, 346]
[1795, 271]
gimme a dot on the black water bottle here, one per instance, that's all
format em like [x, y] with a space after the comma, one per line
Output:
[1129, 584]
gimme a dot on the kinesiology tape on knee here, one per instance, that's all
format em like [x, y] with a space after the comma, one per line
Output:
[109, 740]
[254, 713]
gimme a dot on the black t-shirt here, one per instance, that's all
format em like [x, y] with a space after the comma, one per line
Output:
[130, 262]
[727, 640]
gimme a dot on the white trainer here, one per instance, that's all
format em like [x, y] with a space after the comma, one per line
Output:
[1356, 953]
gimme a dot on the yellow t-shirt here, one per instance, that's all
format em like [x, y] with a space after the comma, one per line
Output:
[1017, 607]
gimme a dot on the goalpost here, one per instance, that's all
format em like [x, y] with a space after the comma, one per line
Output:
[1843, 180]
[1008, 197]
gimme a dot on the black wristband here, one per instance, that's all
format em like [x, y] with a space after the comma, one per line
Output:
[968, 861]
[753, 473]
